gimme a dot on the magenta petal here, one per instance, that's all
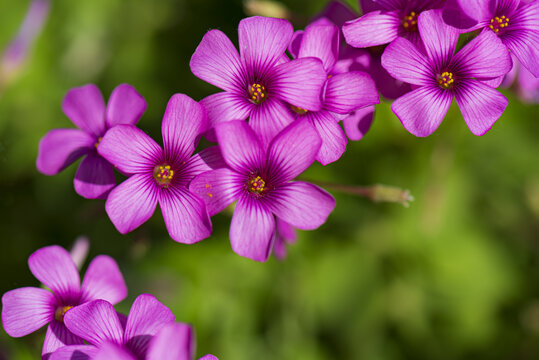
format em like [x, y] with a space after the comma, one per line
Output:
[422, 110]
[216, 61]
[60, 148]
[226, 106]
[208, 357]
[372, 29]
[110, 351]
[322, 42]
[302, 205]
[476, 9]
[240, 147]
[295, 43]
[75, 352]
[263, 40]
[218, 188]
[350, 91]
[174, 341]
[96, 322]
[183, 122]
[480, 105]
[85, 107]
[483, 57]
[299, 82]
[405, 62]
[439, 38]
[103, 280]
[269, 118]
[337, 13]
[293, 150]
[94, 177]
[251, 229]
[206, 160]
[58, 336]
[146, 317]
[358, 123]
[185, 215]
[27, 309]
[132, 202]
[53, 266]
[129, 149]
[333, 139]
[125, 106]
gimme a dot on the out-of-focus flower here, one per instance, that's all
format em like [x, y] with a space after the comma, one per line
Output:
[514, 21]
[344, 92]
[161, 176]
[525, 84]
[260, 181]
[16, 53]
[79, 251]
[27, 309]
[260, 81]
[284, 234]
[441, 75]
[85, 107]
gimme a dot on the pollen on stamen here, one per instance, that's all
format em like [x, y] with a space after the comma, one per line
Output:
[163, 175]
[498, 23]
[256, 185]
[60, 313]
[98, 142]
[446, 80]
[257, 93]
[409, 22]
[298, 110]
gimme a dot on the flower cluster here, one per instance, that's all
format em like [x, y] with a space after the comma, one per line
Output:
[284, 96]
[82, 322]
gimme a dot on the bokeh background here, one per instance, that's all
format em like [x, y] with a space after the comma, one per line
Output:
[454, 276]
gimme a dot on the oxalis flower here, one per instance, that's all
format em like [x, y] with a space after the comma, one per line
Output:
[161, 175]
[26, 310]
[85, 107]
[392, 19]
[149, 333]
[515, 22]
[260, 81]
[441, 75]
[261, 183]
[344, 92]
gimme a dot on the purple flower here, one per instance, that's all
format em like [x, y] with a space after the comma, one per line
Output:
[159, 175]
[25, 310]
[526, 85]
[100, 326]
[284, 234]
[85, 107]
[440, 74]
[393, 19]
[344, 92]
[260, 81]
[260, 182]
[514, 21]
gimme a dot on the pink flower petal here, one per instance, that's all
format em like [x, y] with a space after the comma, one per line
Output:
[240, 147]
[129, 149]
[333, 139]
[251, 229]
[95, 177]
[26, 310]
[132, 202]
[322, 42]
[85, 107]
[75, 352]
[270, 118]
[103, 280]
[53, 266]
[405, 62]
[226, 106]
[125, 106]
[302, 205]
[206, 160]
[350, 91]
[372, 29]
[439, 38]
[218, 188]
[60, 148]
[58, 336]
[113, 352]
[146, 317]
[358, 123]
[174, 341]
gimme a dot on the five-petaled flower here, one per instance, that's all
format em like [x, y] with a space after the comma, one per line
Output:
[85, 107]
[260, 181]
[27, 309]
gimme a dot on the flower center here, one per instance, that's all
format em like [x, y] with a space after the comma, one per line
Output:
[445, 80]
[60, 312]
[498, 23]
[98, 142]
[299, 110]
[257, 93]
[163, 174]
[409, 23]
[256, 185]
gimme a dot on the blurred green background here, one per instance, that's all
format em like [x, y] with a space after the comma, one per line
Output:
[454, 276]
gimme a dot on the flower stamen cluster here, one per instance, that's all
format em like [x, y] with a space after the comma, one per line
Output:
[498, 22]
[256, 185]
[446, 80]
[410, 22]
[257, 93]
[298, 110]
[60, 312]
[163, 174]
